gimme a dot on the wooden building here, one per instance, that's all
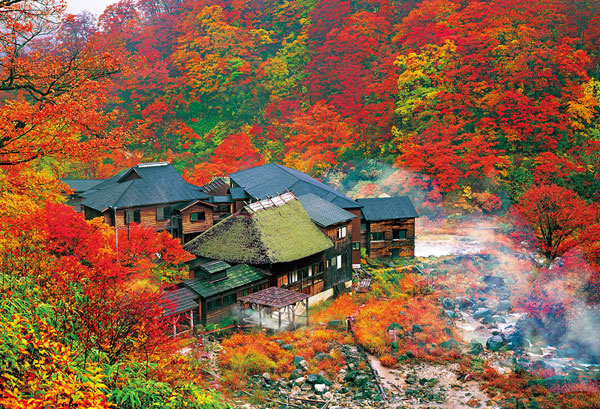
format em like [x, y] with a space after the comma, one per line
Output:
[272, 179]
[278, 237]
[388, 227]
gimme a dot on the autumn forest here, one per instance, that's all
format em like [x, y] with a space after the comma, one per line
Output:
[486, 114]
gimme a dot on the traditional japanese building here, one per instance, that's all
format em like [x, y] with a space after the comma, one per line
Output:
[388, 226]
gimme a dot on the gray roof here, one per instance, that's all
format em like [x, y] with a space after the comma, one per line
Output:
[238, 193]
[272, 179]
[179, 300]
[142, 185]
[388, 208]
[322, 212]
[81, 185]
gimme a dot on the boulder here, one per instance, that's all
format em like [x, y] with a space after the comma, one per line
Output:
[481, 312]
[476, 348]
[448, 304]
[495, 343]
[504, 305]
[449, 344]
[321, 388]
[266, 377]
[296, 373]
[297, 360]
[417, 328]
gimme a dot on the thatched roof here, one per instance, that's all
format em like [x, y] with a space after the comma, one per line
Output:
[277, 234]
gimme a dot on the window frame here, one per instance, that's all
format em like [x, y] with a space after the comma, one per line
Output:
[166, 214]
[374, 236]
[397, 236]
[137, 216]
[199, 220]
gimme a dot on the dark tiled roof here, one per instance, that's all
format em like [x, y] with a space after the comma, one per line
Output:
[217, 186]
[237, 276]
[220, 199]
[276, 234]
[274, 297]
[179, 300]
[388, 208]
[272, 179]
[81, 185]
[214, 266]
[238, 193]
[322, 212]
[156, 184]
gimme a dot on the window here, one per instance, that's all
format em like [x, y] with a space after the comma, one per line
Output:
[163, 213]
[197, 217]
[333, 260]
[310, 271]
[132, 216]
[339, 261]
[356, 246]
[377, 236]
[398, 234]
[341, 232]
[229, 299]
[293, 276]
[213, 305]
[363, 226]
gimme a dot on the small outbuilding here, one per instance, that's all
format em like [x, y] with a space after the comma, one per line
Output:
[274, 303]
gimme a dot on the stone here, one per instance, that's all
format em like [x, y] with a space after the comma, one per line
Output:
[266, 377]
[321, 388]
[473, 403]
[495, 343]
[417, 328]
[296, 373]
[321, 356]
[449, 344]
[448, 304]
[476, 348]
[350, 376]
[298, 360]
[464, 303]
[481, 312]
[314, 379]
[287, 347]
[488, 320]
[300, 381]
[504, 305]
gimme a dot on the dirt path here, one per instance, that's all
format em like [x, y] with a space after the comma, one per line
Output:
[430, 386]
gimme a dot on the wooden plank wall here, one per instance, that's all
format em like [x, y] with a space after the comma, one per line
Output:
[384, 248]
[188, 226]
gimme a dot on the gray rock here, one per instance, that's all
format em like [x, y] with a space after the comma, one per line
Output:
[504, 305]
[300, 381]
[448, 304]
[266, 377]
[298, 360]
[476, 348]
[495, 343]
[481, 312]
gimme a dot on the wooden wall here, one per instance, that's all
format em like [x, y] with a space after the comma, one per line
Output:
[383, 248]
[356, 235]
[188, 226]
[147, 218]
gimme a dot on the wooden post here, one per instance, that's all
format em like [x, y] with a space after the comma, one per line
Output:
[307, 312]
[259, 316]
[294, 317]
[192, 322]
